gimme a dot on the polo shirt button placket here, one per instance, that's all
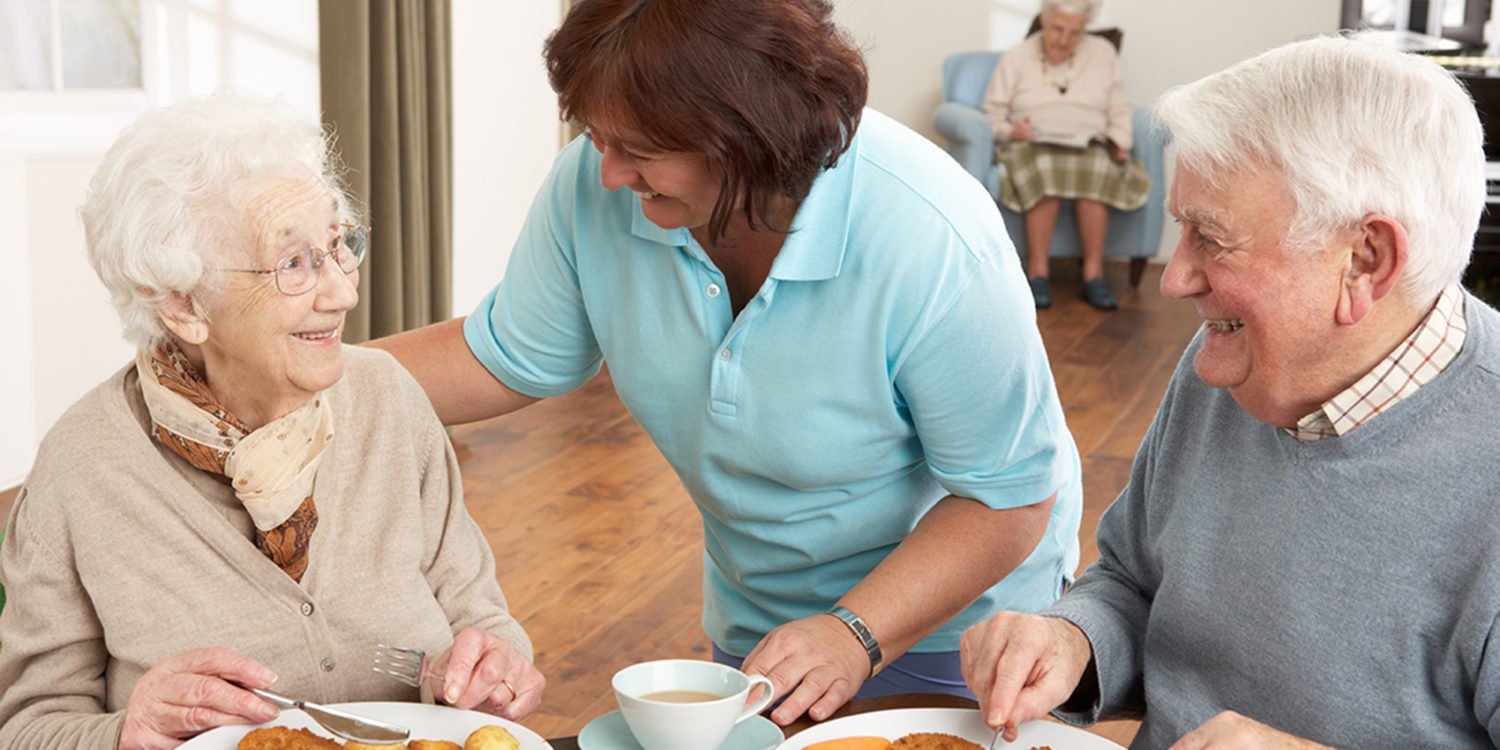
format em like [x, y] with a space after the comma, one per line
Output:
[722, 380]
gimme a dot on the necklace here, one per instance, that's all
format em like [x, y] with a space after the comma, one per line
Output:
[1059, 83]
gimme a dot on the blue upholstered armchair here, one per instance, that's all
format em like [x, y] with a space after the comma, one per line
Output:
[961, 122]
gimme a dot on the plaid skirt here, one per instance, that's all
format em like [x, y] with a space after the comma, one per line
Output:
[1034, 171]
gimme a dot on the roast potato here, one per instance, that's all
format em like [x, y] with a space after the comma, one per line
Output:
[491, 737]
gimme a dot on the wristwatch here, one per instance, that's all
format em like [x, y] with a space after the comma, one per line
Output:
[862, 632]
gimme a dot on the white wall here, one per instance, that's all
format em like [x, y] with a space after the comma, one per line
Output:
[1171, 43]
[1166, 43]
[17, 422]
[75, 340]
[505, 133]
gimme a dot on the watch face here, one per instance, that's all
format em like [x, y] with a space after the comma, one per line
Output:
[862, 632]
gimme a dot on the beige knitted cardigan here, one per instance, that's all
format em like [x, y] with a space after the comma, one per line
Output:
[120, 554]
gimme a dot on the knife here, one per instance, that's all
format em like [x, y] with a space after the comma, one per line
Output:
[342, 723]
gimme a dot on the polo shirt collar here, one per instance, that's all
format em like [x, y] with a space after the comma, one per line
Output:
[820, 230]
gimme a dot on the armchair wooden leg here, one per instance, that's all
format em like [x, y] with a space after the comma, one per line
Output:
[1137, 268]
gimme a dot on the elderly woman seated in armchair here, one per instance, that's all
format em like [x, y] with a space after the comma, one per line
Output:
[1056, 104]
[249, 501]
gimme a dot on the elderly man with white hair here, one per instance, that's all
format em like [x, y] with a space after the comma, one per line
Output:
[1306, 551]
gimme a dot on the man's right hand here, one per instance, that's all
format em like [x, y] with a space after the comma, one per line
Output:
[1022, 666]
[188, 693]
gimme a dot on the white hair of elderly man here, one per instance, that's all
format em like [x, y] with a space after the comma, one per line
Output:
[1354, 128]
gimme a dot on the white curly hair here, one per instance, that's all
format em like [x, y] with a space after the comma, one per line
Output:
[1086, 8]
[171, 191]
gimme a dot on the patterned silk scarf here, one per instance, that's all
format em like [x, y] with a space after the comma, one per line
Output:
[272, 469]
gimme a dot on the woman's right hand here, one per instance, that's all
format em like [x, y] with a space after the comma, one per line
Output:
[1022, 129]
[186, 694]
[1020, 666]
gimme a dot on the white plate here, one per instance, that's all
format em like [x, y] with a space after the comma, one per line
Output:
[610, 732]
[426, 722]
[960, 722]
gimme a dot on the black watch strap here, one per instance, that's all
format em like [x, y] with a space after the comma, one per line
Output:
[862, 632]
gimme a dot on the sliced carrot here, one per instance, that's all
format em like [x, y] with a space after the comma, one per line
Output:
[852, 743]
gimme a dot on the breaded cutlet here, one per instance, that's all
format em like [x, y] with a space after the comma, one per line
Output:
[283, 738]
[933, 741]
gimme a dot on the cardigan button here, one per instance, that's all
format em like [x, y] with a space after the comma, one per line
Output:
[327, 664]
[307, 609]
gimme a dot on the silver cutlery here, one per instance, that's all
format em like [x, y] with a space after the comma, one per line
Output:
[409, 665]
[343, 724]
[994, 743]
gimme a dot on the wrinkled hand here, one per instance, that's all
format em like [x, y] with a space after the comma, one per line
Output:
[480, 670]
[1231, 731]
[186, 694]
[1120, 155]
[815, 662]
[1022, 130]
[1021, 666]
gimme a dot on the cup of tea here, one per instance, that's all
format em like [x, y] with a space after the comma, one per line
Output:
[685, 704]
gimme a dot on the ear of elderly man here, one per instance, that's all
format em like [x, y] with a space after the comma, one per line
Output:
[1306, 553]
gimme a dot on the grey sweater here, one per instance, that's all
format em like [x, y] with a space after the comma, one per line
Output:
[120, 554]
[1343, 590]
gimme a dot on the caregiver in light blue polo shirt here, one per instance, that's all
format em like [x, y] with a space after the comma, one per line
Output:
[817, 317]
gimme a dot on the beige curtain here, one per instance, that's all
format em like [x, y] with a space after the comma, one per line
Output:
[569, 130]
[386, 81]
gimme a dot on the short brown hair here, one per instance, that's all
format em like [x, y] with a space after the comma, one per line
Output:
[770, 89]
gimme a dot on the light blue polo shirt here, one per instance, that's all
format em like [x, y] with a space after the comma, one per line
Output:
[890, 359]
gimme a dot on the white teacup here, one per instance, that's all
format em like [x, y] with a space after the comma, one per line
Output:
[684, 704]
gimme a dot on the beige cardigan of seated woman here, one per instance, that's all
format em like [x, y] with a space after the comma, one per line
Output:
[1095, 104]
[120, 554]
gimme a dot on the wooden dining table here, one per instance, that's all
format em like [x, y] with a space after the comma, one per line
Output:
[857, 706]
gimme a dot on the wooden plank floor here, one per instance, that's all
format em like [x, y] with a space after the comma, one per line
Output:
[600, 550]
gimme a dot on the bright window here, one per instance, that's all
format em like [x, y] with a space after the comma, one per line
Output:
[58, 45]
[72, 72]
[1462, 20]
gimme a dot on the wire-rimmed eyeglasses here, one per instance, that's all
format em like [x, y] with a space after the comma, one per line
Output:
[298, 273]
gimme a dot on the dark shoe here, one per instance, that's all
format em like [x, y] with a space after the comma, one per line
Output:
[1096, 292]
[1041, 291]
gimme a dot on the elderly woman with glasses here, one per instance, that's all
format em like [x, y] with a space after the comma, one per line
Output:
[248, 502]
[1056, 105]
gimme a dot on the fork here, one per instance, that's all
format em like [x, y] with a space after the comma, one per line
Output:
[999, 740]
[409, 665]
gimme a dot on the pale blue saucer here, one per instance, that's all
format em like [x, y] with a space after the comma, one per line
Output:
[609, 732]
